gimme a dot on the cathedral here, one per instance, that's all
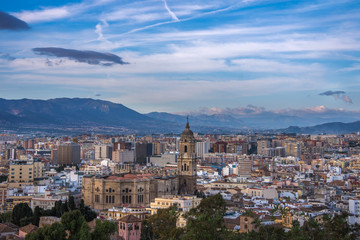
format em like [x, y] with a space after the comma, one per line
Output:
[186, 164]
[104, 192]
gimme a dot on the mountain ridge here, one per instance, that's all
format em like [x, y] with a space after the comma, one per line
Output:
[90, 114]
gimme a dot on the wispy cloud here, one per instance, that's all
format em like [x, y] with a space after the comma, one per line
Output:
[99, 30]
[338, 95]
[6, 56]
[172, 14]
[44, 15]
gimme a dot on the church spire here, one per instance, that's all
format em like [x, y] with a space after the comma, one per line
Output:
[187, 123]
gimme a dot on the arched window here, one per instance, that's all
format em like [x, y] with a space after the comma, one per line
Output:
[185, 149]
[185, 167]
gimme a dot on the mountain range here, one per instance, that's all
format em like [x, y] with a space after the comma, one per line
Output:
[79, 115]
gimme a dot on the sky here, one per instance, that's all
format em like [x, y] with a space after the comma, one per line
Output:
[184, 56]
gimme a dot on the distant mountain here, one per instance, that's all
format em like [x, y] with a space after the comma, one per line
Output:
[74, 112]
[203, 121]
[329, 128]
[79, 115]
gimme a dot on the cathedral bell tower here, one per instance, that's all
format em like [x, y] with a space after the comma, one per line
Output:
[186, 163]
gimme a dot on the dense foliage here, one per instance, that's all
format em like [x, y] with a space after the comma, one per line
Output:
[22, 214]
[73, 226]
[206, 222]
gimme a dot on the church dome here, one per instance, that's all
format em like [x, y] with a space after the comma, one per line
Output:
[187, 133]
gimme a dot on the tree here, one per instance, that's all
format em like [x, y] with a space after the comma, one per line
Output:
[103, 230]
[5, 217]
[73, 221]
[72, 205]
[37, 215]
[56, 231]
[162, 225]
[88, 214]
[66, 206]
[206, 220]
[21, 211]
[85, 232]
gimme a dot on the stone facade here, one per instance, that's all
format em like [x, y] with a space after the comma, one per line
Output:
[187, 162]
[126, 190]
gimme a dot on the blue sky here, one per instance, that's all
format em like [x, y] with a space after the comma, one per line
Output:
[180, 56]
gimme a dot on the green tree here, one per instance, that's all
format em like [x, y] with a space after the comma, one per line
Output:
[21, 211]
[206, 221]
[103, 230]
[73, 221]
[162, 226]
[66, 206]
[5, 217]
[88, 214]
[72, 205]
[56, 231]
[85, 232]
[37, 215]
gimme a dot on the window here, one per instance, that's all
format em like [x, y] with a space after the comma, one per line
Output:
[97, 198]
[185, 148]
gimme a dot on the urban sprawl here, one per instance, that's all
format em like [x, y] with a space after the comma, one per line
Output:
[281, 182]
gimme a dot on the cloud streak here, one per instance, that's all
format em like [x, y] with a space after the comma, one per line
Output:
[9, 22]
[89, 57]
[338, 95]
[172, 14]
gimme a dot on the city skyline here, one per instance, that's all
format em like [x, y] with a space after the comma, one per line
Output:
[211, 57]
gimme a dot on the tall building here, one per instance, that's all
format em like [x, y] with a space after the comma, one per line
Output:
[262, 146]
[202, 148]
[142, 151]
[121, 146]
[24, 172]
[293, 149]
[220, 147]
[103, 151]
[123, 156]
[187, 162]
[245, 167]
[68, 153]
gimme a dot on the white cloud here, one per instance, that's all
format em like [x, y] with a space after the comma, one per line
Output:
[44, 15]
[172, 14]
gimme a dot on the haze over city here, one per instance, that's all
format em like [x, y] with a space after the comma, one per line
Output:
[185, 56]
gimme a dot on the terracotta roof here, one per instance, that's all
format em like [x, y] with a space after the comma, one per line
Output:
[13, 226]
[129, 219]
[28, 228]
[6, 229]
[130, 176]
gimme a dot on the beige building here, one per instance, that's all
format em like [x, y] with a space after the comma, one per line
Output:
[123, 156]
[183, 203]
[24, 172]
[116, 213]
[267, 193]
[68, 154]
[125, 190]
[104, 192]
